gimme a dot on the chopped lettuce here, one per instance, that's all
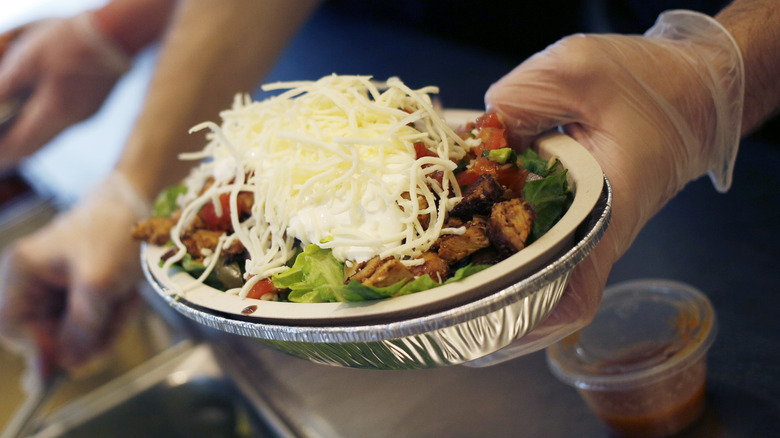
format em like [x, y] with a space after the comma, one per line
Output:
[313, 278]
[360, 292]
[192, 266]
[196, 269]
[165, 203]
[317, 277]
[550, 197]
[532, 162]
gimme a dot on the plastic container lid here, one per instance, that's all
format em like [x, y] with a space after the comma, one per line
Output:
[644, 331]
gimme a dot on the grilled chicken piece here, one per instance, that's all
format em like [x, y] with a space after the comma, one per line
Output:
[155, 230]
[433, 265]
[198, 240]
[382, 272]
[424, 219]
[510, 224]
[245, 200]
[487, 256]
[479, 198]
[455, 247]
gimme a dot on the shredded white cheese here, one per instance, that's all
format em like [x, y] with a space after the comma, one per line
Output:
[330, 162]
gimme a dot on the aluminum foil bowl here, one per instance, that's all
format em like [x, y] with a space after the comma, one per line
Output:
[444, 337]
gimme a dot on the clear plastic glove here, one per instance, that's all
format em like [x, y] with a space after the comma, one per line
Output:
[656, 111]
[65, 69]
[65, 289]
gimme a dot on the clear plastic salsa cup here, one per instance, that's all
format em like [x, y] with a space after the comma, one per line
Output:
[641, 364]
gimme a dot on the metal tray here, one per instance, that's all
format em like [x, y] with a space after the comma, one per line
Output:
[445, 337]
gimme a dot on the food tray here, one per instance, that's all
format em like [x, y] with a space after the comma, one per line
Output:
[443, 337]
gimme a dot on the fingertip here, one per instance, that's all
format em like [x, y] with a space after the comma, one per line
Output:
[82, 327]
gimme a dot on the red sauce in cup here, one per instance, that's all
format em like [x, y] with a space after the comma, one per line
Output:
[641, 365]
[659, 409]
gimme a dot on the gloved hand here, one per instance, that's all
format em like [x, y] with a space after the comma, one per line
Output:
[65, 289]
[656, 111]
[65, 69]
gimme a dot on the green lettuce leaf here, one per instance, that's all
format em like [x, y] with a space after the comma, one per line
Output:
[313, 278]
[466, 271]
[357, 291]
[550, 197]
[196, 269]
[317, 277]
[165, 203]
[532, 162]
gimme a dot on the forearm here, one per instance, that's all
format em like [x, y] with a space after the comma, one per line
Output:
[755, 25]
[134, 24]
[214, 50]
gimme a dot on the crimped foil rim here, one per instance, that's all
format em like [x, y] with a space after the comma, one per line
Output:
[596, 225]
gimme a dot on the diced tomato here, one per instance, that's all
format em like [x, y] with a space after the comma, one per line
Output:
[465, 135]
[477, 150]
[438, 176]
[422, 151]
[493, 138]
[261, 288]
[508, 175]
[209, 214]
[512, 177]
[489, 120]
[478, 167]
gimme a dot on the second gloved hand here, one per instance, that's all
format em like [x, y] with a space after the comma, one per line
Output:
[65, 289]
[65, 69]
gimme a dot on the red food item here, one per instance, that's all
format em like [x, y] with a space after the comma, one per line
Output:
[489, 120]
[478, 167]
[508, 175]
[422, 151]
[490, 130]
[261, 288]
[208, 213]
[492, 138]
[658, 409]
[492, 135]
